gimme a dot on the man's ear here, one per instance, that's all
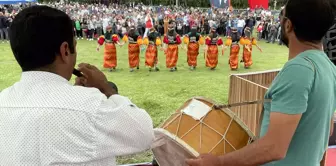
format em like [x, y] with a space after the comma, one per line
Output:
[64, 52]
[289, 26]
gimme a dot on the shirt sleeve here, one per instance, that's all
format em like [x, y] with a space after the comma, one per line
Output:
[290, 91]
[122, 128]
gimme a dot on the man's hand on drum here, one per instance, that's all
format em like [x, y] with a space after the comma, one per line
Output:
[204, 160]
[93, 77]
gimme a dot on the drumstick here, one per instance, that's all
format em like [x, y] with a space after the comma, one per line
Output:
[241, 104]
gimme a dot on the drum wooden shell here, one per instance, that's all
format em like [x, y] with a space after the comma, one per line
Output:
[218, 132]
[250, 87]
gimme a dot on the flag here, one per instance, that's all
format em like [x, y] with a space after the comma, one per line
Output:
[258, 3]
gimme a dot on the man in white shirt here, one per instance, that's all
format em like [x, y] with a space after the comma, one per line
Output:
[47, 121]
[240, 25]
[186, 24]
[106, 21]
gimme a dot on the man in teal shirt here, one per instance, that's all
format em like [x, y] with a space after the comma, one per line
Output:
[305, 90]
[296, 122]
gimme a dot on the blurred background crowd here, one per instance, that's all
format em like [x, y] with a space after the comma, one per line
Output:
[91, 20]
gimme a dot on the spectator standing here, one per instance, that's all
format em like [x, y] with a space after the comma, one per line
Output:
[273, 32]
[149, 24]
[9, 23]
[78, 29]
[260, 30]
[91, 28]
[3, 28]
[228, 26]
[250, 22]
[99, 26]
[106, 23]
[240, 25]
[186, 24]
[235, 22]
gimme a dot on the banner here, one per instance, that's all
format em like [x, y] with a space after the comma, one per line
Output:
[258, 3]
[220, 3]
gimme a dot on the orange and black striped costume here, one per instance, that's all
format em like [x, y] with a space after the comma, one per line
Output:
[212, 41]
[133, 48]
[110, 52]
[172, 40]
[233, 43]
[247, 53]
[151, 57]
[192, 40]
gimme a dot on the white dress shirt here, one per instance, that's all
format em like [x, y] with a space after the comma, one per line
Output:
[44, 120]
[241, 23]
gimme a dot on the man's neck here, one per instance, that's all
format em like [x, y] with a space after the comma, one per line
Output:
[52, 69]
[297, 47]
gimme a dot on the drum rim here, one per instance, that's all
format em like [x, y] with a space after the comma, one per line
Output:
[182, 143]
[178, 141]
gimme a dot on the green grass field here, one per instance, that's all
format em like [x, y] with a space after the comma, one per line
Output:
[160, 93]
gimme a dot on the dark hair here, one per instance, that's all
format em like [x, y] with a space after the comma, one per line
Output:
[36, 35]
[311, 19]
[281, 13]
[114, 86]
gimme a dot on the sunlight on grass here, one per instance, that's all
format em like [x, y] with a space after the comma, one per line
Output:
[160, 93]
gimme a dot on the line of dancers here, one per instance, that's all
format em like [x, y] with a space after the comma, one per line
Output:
[170, 46]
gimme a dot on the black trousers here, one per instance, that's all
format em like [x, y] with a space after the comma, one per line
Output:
[90, 33]
[186, 29]
[79, 33]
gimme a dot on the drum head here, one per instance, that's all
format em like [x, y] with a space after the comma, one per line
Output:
[170, 150]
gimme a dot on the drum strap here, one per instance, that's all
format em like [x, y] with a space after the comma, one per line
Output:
[241, 104]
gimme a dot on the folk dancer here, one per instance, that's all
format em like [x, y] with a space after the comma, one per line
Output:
[110, 52]
[172, 40]
[233, 43]
[212, 43]
[151, 57]
[247, 53]
[133, 48]
[193, 40]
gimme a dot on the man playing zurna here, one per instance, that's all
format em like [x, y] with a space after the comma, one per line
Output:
[172, 40]
[110, 52]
